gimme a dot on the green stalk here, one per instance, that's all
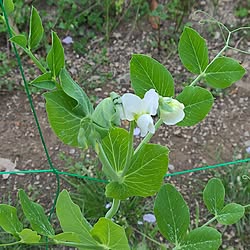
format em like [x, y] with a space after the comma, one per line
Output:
[35, 60]
[202, 74]
[130, 148]
[107, 168]
[28, 52]
[149, 135]
[56, 242]
[10, 244]
[78, 245]
[149, 238]
[113, 210]
[210, 221]
[107, 19]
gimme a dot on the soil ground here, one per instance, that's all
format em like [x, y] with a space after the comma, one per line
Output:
[223, 136]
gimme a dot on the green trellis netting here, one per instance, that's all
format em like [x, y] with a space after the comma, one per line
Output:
[53, 169]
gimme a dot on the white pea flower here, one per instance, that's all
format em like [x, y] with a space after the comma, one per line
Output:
[171, 110]
[140, 110]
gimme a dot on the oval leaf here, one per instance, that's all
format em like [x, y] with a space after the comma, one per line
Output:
[71, 218]
[67, 237]
[145, 174]
[203, 238]
[223, 72]
[35, 215]
[72, 89]
[146, 73]
[115, 146]
[172, 213]
[110, 235]
[46, 84]
[28, 236]
[65, 123]
[9, 220]
[36, 29]
[198, 102]
[76, 240]
[20, 40]
[214, 195]
[230, 214]
[193, 51]
[8, 6]
[44, 81]
[55, 57]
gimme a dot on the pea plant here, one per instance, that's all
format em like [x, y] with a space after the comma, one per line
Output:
[131, 171]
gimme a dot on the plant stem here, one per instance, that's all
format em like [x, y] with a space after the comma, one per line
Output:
[113, 210]
[78, 245]
[135, 21]
[246, 206]
[35, 60]
[10, 244]
[210, 221]
[196, 79]
[144, 235]
[107, 168]
[201, 75]
[227, 46]
[130, 148]
[107, 20]
[149, 135]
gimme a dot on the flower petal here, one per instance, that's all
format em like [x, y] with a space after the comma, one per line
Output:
[173, 117]
[150, 102]
[171, 111]
[146, 124]
[137, 131]
[132, 106]
[149, 218]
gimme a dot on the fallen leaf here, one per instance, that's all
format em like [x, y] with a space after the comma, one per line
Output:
[7, 166]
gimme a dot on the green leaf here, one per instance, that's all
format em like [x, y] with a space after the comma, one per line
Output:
[230, 214]
[72, 89]
[69, 112]
[172, 213]
[198, 102]
[202, 238]
[145, 174]
[193, 51]
[223, 72]
[87, 134]
[20, 40]
[36, 29]
[70, 237]
[62, 118]
[9, 220]
[71, 218]
[28, 236]
[55, 57]
[44, 81]
[214, 195]
[146, 73]
[35, 215]
[105, 116]
[115, 146]
[67, 237]
[110, 235]
[8, 6]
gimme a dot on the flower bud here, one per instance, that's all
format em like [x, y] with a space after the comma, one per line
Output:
[171, 110]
